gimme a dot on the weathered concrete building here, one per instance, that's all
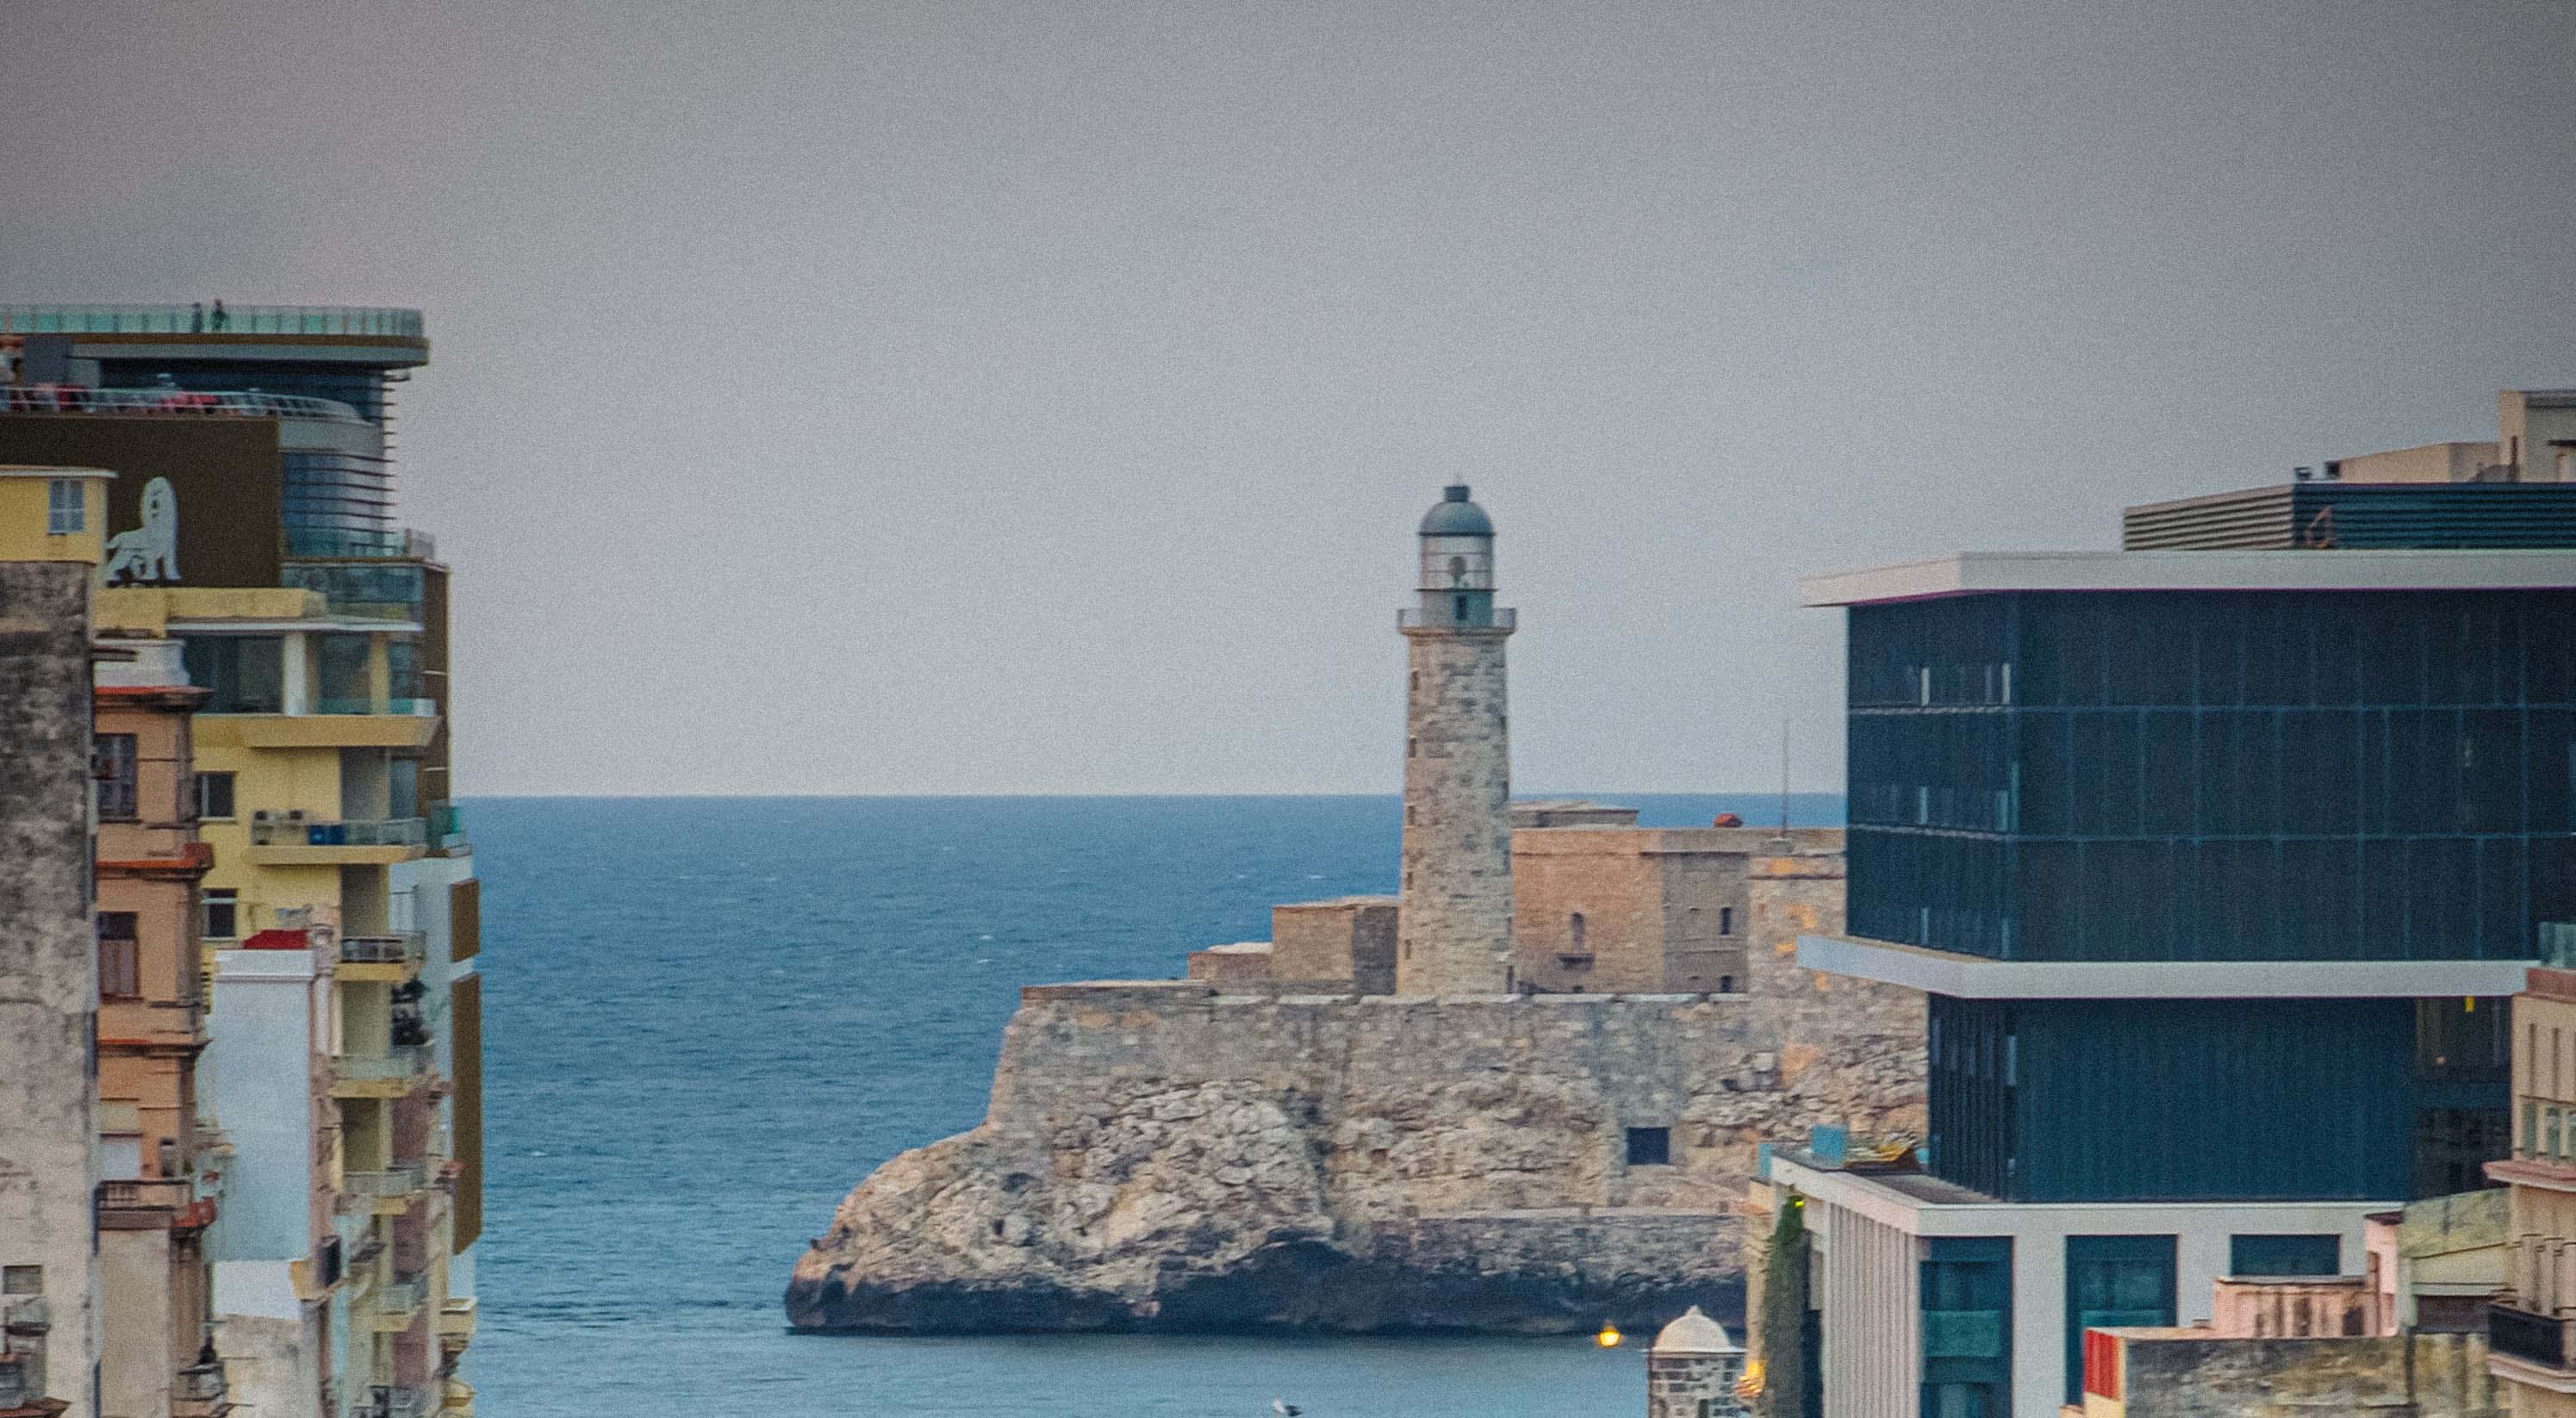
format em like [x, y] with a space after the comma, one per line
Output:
[1363, 1125]
[50, 542]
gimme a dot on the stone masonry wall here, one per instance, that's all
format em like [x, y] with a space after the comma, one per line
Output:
[1161, 1154]
[2401, 1376]
[1454, 934]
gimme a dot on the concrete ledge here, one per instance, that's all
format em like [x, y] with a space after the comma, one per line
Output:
[1944, 972]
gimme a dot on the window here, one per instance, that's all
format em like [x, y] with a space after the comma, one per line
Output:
[1726, 920]
[1726, 984]
[22, 1280]
[114, 757]
[246, 672]
[1574, 933]
[215, 796]
[2113, 1281]
[120, 971]
[1650, 1147]
[66, 511]
[1462, 607]
[223, 914]
[2284, 1255]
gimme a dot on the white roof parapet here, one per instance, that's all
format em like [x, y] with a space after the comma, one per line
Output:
[1944, 972]
[1979, 572]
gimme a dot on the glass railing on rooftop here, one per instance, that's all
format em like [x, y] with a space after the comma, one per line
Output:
[200, 320]
[336, 543]
[247, 403]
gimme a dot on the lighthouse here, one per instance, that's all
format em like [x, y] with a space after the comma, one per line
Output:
[1454, 932]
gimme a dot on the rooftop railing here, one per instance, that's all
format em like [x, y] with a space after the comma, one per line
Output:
[203, 320]
[191, 403]
[341, 544]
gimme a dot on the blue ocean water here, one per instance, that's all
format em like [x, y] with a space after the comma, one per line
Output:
[706, 1019]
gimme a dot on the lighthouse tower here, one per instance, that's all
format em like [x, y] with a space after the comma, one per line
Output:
[1454, 933]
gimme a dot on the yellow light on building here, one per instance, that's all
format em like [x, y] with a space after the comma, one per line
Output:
[1609, 1336]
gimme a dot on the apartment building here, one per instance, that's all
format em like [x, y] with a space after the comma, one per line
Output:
[254, 539]
[161, 1163]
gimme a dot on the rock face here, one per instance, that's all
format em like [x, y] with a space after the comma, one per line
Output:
[1162, 1156]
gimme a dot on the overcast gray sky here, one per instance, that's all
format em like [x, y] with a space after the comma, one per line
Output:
[982, 398]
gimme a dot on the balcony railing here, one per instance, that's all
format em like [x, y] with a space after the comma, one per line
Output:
[307, 832]
[384, 1401]
[128, 403]
[396, 948]
[400, 1179]
[2534, 1339]
[398, 1061]
[146, 1194]
[409, 707]
[1963, 1334]
[201, 1383]
[191, 320]
[1412, 618]
[401, 1294]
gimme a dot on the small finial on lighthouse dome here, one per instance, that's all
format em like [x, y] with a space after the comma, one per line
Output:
[1454, 516]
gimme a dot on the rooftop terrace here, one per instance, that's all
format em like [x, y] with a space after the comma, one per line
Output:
[195, 320]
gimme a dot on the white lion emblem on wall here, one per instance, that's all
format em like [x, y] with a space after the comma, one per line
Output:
[149, 552]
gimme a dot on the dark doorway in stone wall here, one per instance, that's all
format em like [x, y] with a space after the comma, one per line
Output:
[1650, 1147]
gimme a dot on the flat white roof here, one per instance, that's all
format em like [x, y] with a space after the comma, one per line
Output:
[1944, 972]
[1983, 572]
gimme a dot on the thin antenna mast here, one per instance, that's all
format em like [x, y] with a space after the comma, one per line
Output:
[1784, 777]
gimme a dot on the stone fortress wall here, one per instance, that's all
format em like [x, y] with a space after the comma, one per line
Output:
[1245, 1152]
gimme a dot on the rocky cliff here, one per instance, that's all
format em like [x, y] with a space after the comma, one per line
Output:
[1159, 1155]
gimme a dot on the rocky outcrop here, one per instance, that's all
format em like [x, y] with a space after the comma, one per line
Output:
[1162, 1156]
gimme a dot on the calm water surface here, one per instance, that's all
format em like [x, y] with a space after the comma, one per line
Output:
[708, 1018]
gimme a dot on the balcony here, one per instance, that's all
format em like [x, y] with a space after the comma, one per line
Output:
[304, 841]
[189, 320]
[385, 1192]
[399, 1070]
[392, 958]
[153, 1204]
[456, 1322]
[2541, 1341]
[178, 403]
[398, 1302]
[199, 1391]
[392, 1401]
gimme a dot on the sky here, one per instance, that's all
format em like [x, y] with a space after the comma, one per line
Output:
[973, 398]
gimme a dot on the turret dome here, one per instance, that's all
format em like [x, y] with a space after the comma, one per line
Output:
[1694, 1333]
[1454, 516]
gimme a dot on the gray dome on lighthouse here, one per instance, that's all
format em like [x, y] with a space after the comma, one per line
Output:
[1454, 516]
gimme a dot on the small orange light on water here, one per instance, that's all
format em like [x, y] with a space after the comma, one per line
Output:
[1609, 1336]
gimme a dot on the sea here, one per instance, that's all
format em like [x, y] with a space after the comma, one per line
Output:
[706, 1019]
